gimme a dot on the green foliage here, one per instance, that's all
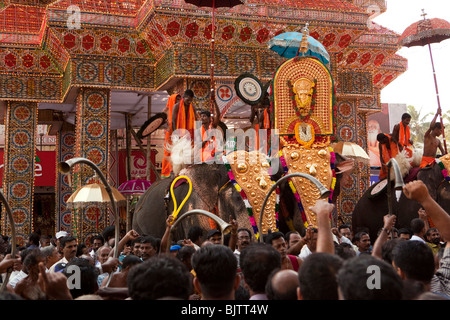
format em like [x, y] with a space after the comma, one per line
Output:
[446, 120]
[418, 125]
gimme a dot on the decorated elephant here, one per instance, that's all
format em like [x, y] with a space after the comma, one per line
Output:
[211, 191]
[301, 111]
[215, 189]
[373, 205]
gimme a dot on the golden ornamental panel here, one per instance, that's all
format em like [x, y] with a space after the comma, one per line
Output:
[316, 163]
[251, 172]
[290, 83]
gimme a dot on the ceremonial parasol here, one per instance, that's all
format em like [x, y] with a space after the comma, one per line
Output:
[137, 186]
[94, 193]
[351, 150]
[426, 32]
[214, 4]
[289, 45]
[133, 189]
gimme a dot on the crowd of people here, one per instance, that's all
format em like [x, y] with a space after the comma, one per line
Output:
[324, 263]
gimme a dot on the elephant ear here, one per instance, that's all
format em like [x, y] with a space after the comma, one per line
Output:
[377, 189]
[344, 166]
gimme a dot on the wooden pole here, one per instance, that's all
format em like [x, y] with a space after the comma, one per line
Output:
[128, 142]
[212, 55]
[438, 99]
[152, 166]
[149, 140]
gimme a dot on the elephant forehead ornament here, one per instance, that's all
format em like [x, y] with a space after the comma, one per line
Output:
[317, 162]
[249, 173]
[303, 89]
[303, 96]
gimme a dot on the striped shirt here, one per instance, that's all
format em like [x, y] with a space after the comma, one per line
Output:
[440, 283]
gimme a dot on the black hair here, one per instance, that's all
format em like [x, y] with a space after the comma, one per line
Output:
[98, 237]
[206, 112]
[406, 116]
[195, 233]
[80, 248]
[34, 238]
[88, 277]
[344, 250]
[159, 277]
[130, 260]
[344, 226]
[189, 93]
[273, 236]
[246, 230]
[353, 279]
[150, 239]
[65, 240]
[317, 276]
[216, 269]
[387, 249]
[415, 259]
[381, 137]
[257, 261]
[417, 225]
[109, 232]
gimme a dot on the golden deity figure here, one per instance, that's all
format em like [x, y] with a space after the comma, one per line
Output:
[303, 89]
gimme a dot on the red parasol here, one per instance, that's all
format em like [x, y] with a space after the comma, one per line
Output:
[214, 4]
[426, 32]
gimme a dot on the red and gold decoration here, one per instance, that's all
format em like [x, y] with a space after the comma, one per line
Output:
[66, 151]
[139, 45]
[18, 183]
[249, 173]
[92, 143]
[303, 92]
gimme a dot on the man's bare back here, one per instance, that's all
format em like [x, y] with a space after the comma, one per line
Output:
[430, 146]
[431, 143]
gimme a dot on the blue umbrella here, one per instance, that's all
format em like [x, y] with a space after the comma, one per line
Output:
[287, 45]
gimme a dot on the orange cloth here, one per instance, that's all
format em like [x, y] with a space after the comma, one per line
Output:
[209, 149]
[257, 136]
[387, 154]
[184, 122]
[404, 135]
[166, 166]
[427, 161]
[266, 119]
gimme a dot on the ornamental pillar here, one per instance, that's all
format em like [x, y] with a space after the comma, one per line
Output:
[19, 160]
[65, 151]
[91, 142]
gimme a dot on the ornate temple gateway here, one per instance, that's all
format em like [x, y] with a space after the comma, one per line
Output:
[52, 50]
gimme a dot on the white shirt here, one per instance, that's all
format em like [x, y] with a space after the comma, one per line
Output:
[416, 238]
[304, 252]
[14, 280]
[63, 260]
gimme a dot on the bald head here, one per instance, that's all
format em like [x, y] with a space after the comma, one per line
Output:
[283, 285]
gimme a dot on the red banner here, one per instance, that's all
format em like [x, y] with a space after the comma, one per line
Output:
[45, 169]
[138, 165]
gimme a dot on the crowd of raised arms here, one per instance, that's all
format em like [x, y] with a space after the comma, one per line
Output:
[324, 263]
